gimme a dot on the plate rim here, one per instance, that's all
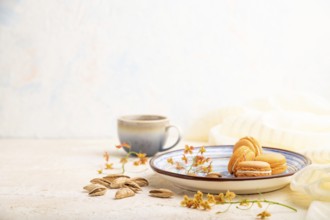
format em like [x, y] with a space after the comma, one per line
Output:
[223, 179]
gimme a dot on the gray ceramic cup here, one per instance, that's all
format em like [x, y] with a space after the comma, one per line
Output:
[146, 133]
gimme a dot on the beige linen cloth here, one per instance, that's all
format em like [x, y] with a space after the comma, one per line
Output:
[297, 121]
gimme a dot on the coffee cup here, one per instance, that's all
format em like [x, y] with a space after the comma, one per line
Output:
[146, 133]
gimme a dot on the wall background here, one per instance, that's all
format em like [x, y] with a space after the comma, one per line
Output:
[68, 69]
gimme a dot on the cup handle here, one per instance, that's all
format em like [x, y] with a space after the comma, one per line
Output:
[177, 140]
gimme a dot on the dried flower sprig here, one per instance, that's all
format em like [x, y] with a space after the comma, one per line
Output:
[263, 215]
[107, 165]
[106, 157]
[198, 202]
[142, 158]
[193, 164]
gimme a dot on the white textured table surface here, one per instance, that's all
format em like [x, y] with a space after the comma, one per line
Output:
[43, 179]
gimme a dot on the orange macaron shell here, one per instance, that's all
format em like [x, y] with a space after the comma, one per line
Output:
[253, 169]
[241, 154]
[277, 162]
[250, 142]
[279, 169]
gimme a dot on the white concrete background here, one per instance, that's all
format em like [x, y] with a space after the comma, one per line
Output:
[69, 68]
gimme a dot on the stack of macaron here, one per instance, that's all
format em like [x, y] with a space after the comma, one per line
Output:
[245, 149]
[248, 160]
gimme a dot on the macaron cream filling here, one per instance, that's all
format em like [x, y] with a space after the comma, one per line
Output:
[253, 172]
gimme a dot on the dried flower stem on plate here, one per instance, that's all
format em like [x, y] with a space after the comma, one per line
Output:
[198, 163]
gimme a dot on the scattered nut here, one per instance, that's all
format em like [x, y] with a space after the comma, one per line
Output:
[102, 182]
[127, 186]
[89, 187]
[161, 193]
[118, 182]
[112, 177]
[124, 193]
[96, 189]
[132, 185]
[98, 192]
[140, 181]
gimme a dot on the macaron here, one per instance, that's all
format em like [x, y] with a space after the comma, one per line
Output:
[253, 169]
[276, 160]
[251, 143]
[241, 154]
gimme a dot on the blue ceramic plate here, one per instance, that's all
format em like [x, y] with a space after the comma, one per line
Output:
[220, 156]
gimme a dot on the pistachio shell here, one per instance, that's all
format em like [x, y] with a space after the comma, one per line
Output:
[98, 192]
[100, 181]
[161, 193]
[124, 193]
[90, 187]
[140, 181]
[118, 182]
[112, 177]
[95, 189]
[132, 185]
